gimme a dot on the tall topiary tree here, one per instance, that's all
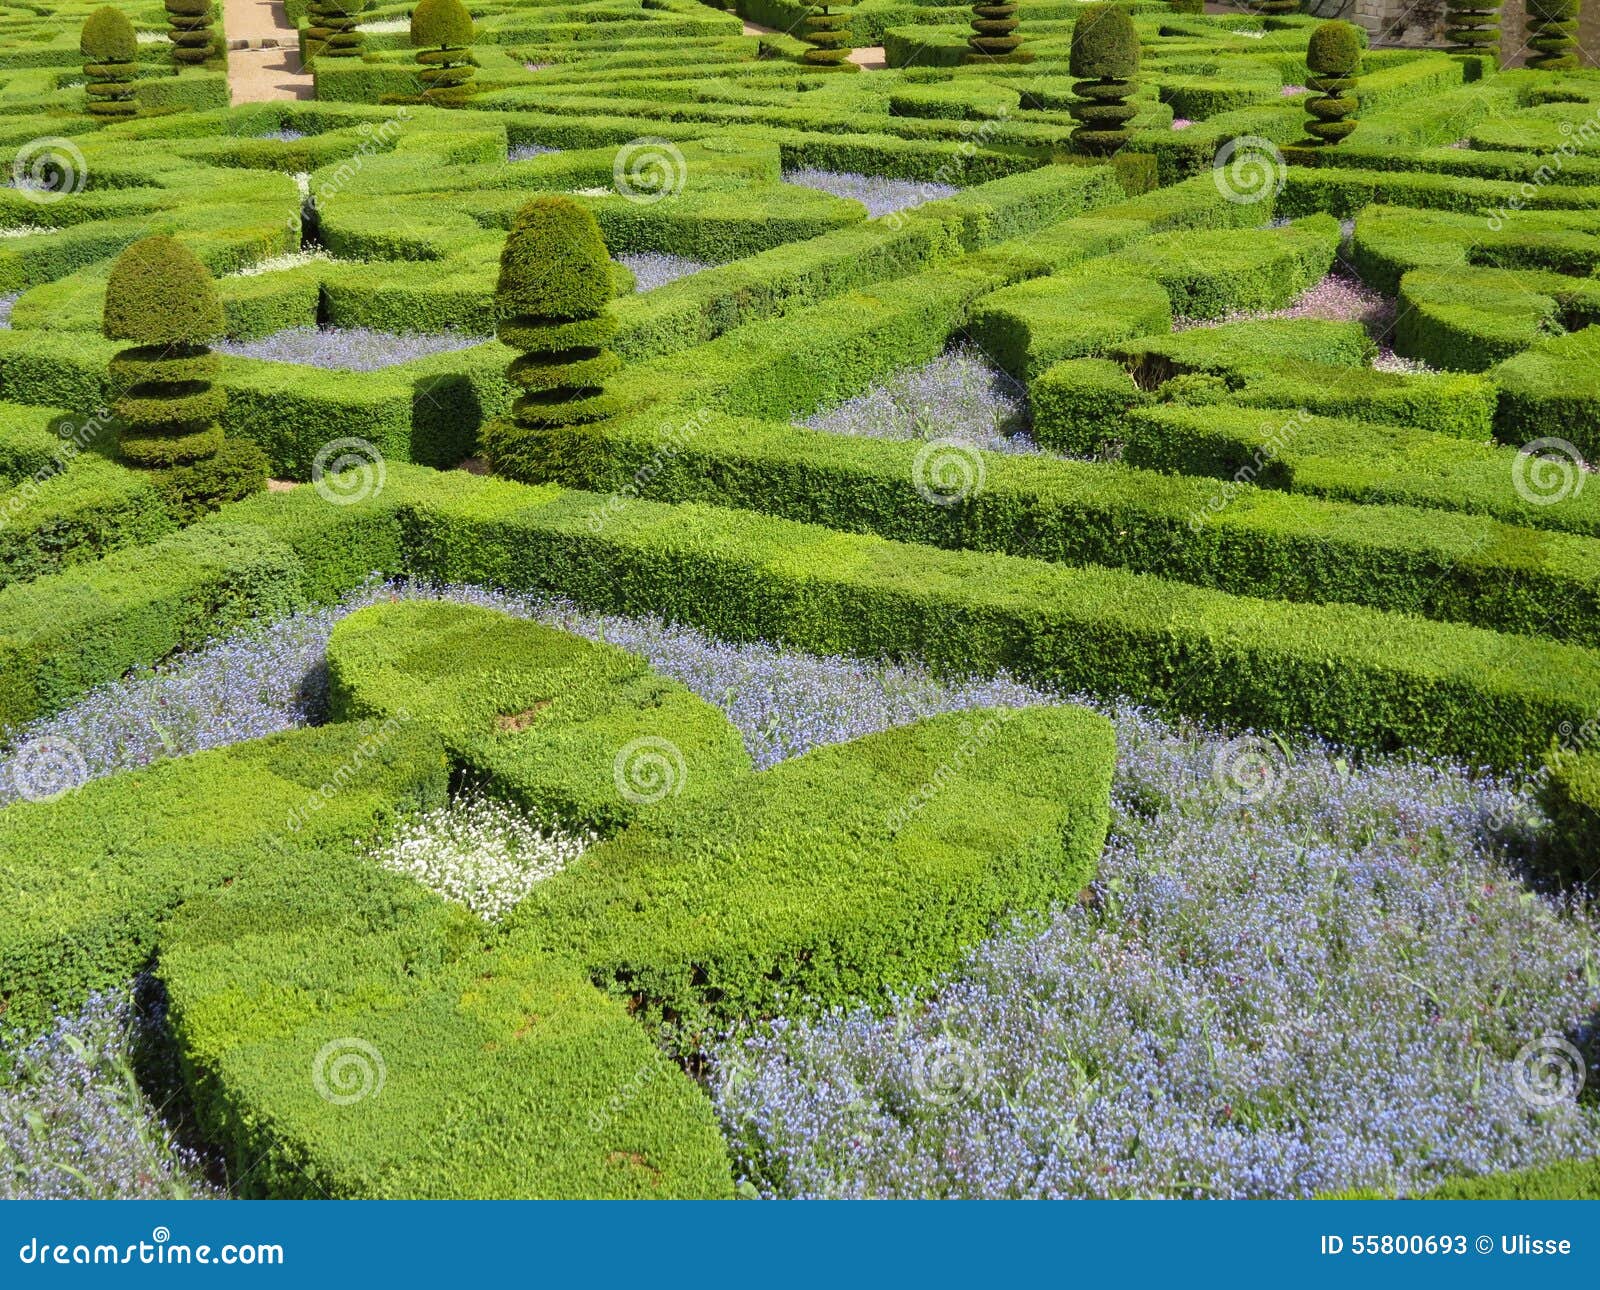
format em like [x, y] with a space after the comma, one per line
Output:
[1332, 55]
[1473, 26]
[551, 306]
[110, 62]
[442, 30]
[1553, 34]
[994, 34]
[826, 28]
[1105, 56]
[160, 297]
[335, 28]
[193, 40]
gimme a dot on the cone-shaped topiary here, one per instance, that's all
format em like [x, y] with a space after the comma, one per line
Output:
[1473, 26]
[110, 62]
[551, 305]
[160, 297]
[1105, 56]
[334, 30]
[1332, 55]
[193, 40]
[994, 36]
[1553, 34]
[442, 30]
[826, 28]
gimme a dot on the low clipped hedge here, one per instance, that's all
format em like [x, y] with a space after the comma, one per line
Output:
[1552, 388]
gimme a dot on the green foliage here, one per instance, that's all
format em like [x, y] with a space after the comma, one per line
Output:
[162, 297]
[1078, 405]
[193, 40]
[1105, 57]
[443, 32]
[826, 30]
[1332, 56]
[237, 470]
[1569, 1180]
[994, 34]
[551, 303]
[335, 29]
[111, 51]
[1473, 26]
[1553, 34]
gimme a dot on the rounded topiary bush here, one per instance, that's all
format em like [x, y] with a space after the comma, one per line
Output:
[1473, 26]
[826, 28]
[110, 62]
[1332, 55]
[442, 31]
[1553, 34]
[334, 30]
[994, 35]
[1105, 57]
[193, 40]
[162, 298]
[551, 306]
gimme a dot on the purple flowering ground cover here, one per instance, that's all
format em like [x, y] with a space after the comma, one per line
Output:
[1295, 973]
[6, 302]
[652, 269]
[879, 195]
[350, 349]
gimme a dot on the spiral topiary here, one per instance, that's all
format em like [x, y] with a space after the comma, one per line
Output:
[110, 52]
[1332, 55]
[1105, 56]
[551, 306]
[827, 32]
[160, 297]
[1473, 26]
[994, 36]
[1553, 35]
[442, 30]
[335, 28]
[193, 41]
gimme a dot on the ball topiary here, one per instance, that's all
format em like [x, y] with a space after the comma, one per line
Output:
[110, 51]
[160, 297]
[1473, 26]
[827, 32]
[442, 30]
[1104, 56]
[335, 29]
[994, 36]
[193, 40]
[1332, 55]
[551, 306]
[1553, 34]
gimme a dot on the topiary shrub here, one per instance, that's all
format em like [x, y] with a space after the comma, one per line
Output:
[1276, 7]
[193, 40]
[994, 35]
[442, 30]
[551, 307]
[1473, 26]
[1187, 6]
[1105, 56]
[110, 51]
[1553, 34]
[334, 31]
[827, 32]
[160, 297]
[1332, 55]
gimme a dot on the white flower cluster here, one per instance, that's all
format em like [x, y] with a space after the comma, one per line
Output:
[481, 853]
[279, 263]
